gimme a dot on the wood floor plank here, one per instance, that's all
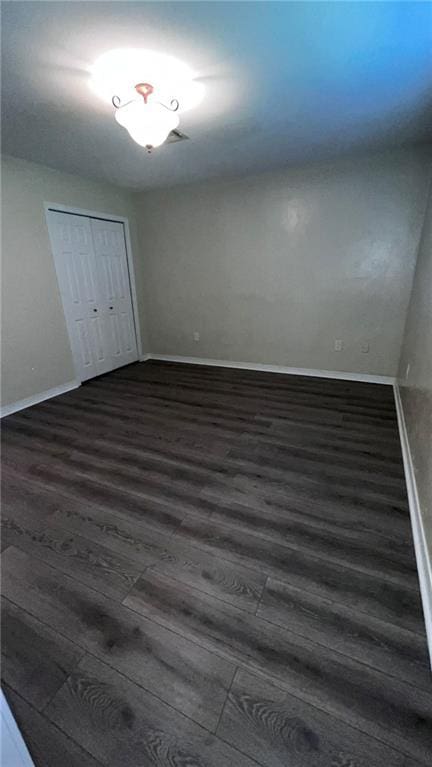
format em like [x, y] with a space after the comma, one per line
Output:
[395, 601]
[133, 540]
[48, 746]
[339, 445]
[312, 478]
[173, 481]
[15, 494]
[152, 414]
[173, 427]
[376, 643]
[168, 440]
[129, 452]
[322, 510]
[365, 511]
[188, 677]
[182, 452]
[162, 516]
[308, 486]
[163, 483]
[35, 660]
[361, 550]
[121, 717]
[322, 466]
[218, 577]
[382, 706]
[89, 562]
[129, 538]
[278, 730]
[153, 500]
[325, 453]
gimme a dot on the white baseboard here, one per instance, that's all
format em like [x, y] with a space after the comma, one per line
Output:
[423, 559]
[36, 398]
[145, 357]
[275, 369]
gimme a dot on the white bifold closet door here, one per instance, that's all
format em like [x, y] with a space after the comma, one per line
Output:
[93, 276]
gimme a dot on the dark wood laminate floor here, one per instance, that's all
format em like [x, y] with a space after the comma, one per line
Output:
[205, 567]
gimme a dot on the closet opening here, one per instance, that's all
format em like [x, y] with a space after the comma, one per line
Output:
[94, 268]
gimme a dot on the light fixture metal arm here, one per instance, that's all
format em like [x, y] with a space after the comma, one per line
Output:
[173, 106]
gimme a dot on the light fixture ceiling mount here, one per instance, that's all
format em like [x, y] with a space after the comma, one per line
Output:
[148, 91]
[145, 89]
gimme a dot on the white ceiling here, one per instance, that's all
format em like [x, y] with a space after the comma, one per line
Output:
[286, 83]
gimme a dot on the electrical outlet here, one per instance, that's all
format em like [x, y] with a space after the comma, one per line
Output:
[196, 335]
[338, 345]
[364, 347]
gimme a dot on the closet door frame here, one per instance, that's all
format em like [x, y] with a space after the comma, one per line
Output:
[58, 208]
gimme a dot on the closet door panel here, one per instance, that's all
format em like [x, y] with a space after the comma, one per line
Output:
[114, 285]
[78, 278]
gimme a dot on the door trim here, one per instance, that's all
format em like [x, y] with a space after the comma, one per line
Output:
[57, 207]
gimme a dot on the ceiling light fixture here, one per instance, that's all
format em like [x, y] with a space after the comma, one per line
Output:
[148, 91]
[148, 122]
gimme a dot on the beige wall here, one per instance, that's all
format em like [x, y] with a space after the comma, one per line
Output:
[274, 268]
[415, 381]
[36, 353]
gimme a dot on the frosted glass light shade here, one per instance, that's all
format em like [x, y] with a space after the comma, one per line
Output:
[148, 124]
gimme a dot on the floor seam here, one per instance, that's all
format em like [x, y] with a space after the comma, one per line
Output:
[226, 699]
